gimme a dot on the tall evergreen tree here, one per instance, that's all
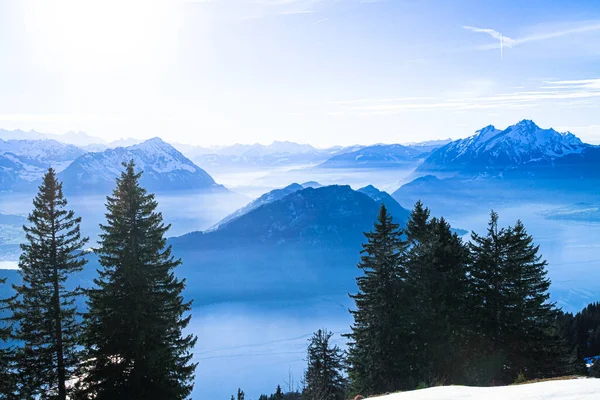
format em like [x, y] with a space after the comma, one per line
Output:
[511, 308]
[324, 377]
[137, 349]
[44, 307]
[377, 344]
[436, 306]
[536, 347]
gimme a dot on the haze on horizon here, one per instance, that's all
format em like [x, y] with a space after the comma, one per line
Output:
[325, 72]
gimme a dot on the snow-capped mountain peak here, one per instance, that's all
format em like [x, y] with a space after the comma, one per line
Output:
[528, 139]
[30, 159]
[165, 168]
[155, 145]
[516, 145]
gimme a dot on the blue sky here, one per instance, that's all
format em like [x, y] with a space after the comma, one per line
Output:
[317, 71]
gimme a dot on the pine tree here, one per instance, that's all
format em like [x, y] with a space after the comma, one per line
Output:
[487, 304]
[8, 378]
[240, 395]
[377, 345]
[324, 376]
[535, 347]
[44, 308]
[511, 306]
[278, 393]
[437, 298]
[136, 311]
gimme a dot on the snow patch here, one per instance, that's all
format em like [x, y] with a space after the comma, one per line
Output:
[580, 389]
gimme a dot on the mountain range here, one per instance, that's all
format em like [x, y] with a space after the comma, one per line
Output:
[24, 162]
[518, 164]
[520, 147]
[521, 151]
[79, 139]
[276, 154]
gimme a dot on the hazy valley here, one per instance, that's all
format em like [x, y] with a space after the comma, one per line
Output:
[270, 235]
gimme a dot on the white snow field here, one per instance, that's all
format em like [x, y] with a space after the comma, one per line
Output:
[573, 389]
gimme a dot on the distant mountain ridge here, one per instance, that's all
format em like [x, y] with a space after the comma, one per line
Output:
[307, 242]
[23, 162]
[491, 150]
[520, 163]
[164, 167]
[41, 153]
[258, 155]
[376, 156]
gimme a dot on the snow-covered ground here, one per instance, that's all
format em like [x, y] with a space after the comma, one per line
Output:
[574, 389]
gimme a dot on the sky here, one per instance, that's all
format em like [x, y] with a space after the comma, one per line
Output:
[323, 72]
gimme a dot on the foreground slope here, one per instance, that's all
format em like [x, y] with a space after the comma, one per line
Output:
[574, 389]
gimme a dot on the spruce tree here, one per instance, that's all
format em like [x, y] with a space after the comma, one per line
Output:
[535, 346]
[486, 285]
[437, 299]
[377, 343]
[324, 377]
[137, 349]
[511, 306]
[44, 307]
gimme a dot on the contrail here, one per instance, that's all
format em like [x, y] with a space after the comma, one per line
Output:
[504, 40]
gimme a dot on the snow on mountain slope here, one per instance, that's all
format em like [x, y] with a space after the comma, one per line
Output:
[574, 389]
[9, 173]
[164, 167]
[42, 153]
[490, 148]
[25, 161]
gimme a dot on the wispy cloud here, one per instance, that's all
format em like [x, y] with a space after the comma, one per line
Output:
[568, 93]
[493, 33]
[505, 41]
